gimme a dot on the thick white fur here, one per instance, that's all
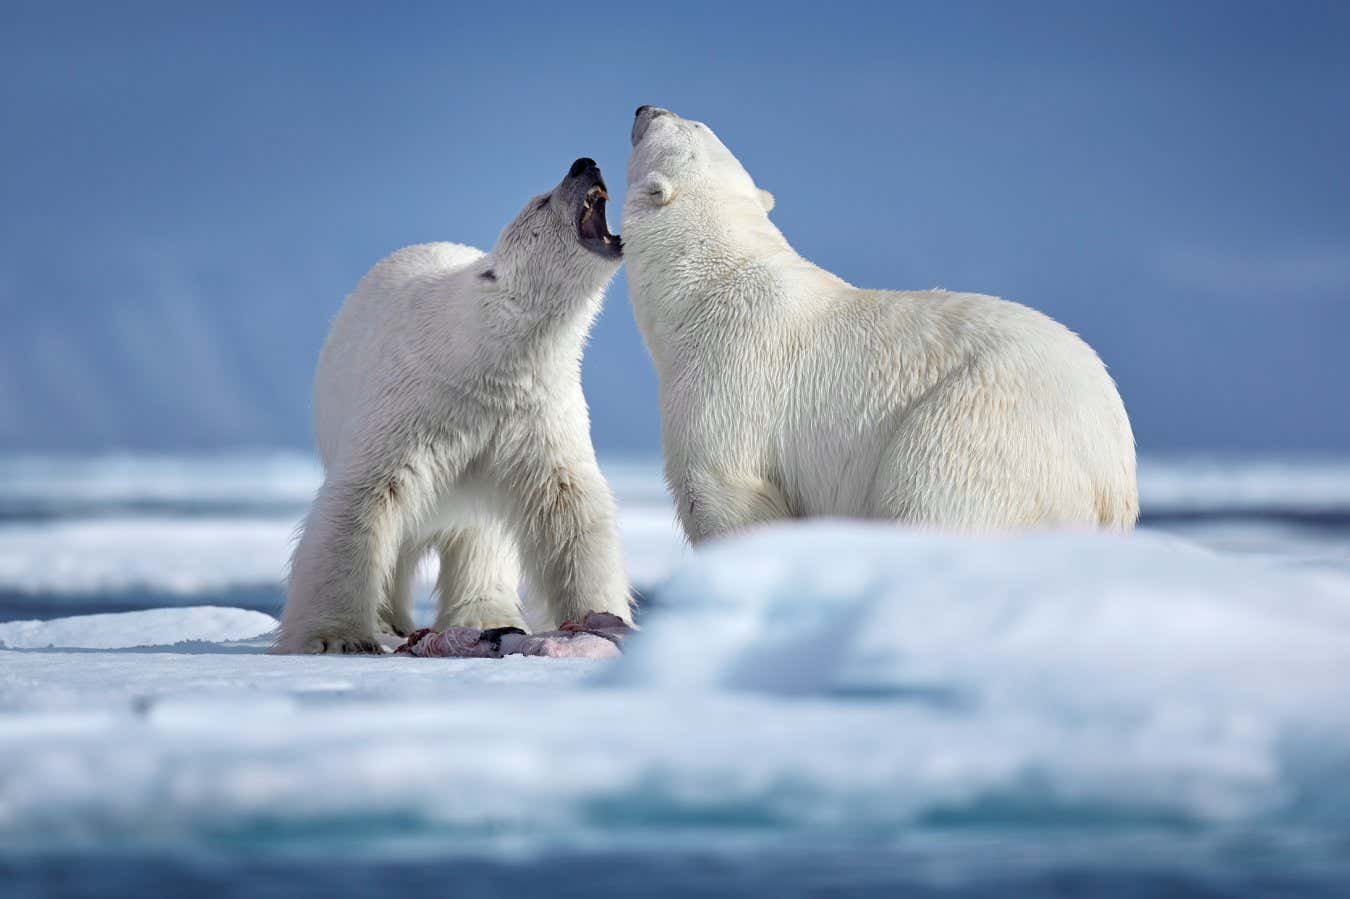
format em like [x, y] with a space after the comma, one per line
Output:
[450, 418]
[787, 392]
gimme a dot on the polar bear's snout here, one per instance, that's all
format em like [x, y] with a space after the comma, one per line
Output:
[643, 117]
[584, 164]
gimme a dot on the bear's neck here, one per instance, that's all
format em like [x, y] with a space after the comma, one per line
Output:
[534, 329]
[732, 279]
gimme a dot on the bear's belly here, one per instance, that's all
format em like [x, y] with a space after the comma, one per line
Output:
[829, 468]
[832, 485]
[472, 502]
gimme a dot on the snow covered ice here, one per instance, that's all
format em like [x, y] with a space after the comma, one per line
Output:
[151, 627]
[954, 708]
[184, 527]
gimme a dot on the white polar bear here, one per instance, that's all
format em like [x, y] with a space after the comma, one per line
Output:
[450, 417]
[787, 392]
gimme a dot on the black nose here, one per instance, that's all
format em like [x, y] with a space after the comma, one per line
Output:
[584, 164]
[640, 110]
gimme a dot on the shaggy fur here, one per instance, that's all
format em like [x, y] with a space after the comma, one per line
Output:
[787, 392]
[450, 418]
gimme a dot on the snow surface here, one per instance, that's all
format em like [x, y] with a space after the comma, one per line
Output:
[178, 556]
[1216, 483]
[822, 683]
[197, 556]
[194, 527]
[234, 478]
[278, 478]
[126, 530]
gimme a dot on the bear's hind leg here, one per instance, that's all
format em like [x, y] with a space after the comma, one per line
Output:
[479, 579]
[947, 472]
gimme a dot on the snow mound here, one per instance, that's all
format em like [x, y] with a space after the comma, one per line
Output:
[153, 627]
[1070, 623]
[806, 685]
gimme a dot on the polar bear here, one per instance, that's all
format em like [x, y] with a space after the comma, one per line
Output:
[787, 392]
[449, 417]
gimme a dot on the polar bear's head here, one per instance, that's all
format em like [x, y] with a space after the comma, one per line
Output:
[678, 161]
[560, 239]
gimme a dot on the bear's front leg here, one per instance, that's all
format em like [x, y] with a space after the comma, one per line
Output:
[346, 555]
[479, 579]
[570, 543]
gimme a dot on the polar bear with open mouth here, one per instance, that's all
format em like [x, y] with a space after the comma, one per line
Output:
[450, 418]
[787, 392]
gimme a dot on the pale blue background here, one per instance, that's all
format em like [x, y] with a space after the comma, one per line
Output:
[188, 194]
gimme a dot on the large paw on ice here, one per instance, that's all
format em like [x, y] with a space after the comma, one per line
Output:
[343, 646]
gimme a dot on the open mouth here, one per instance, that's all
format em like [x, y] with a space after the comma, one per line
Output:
[592, 228]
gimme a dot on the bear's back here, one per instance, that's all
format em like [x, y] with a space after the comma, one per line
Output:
[376, 318]
[954, 382]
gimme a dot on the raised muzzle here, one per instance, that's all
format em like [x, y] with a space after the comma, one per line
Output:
[582, 166]
[644, 116]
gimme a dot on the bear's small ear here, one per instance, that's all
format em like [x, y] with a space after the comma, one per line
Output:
[765, 199]
[659, 189]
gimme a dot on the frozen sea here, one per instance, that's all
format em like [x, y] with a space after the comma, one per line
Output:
[823, 709]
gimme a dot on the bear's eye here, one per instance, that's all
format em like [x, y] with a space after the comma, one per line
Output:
[543, 203]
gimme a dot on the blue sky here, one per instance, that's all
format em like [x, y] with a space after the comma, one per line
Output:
[188, 195]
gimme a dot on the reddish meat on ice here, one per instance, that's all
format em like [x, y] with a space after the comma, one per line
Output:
[600, 635]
